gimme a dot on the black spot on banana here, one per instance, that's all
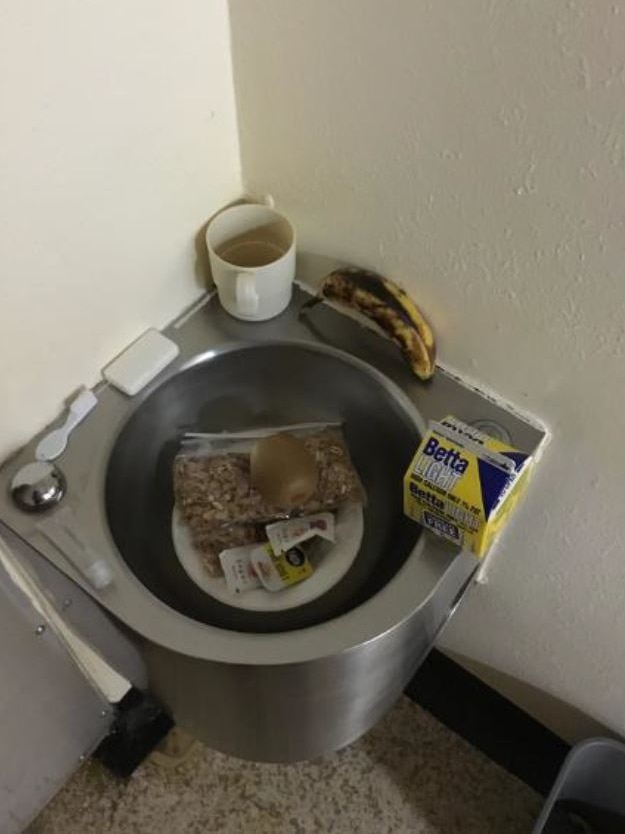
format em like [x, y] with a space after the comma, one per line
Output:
[390, 307]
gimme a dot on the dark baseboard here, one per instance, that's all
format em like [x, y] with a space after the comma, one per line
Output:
[491, 723]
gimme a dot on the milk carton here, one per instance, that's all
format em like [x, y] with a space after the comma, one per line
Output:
[463, 484]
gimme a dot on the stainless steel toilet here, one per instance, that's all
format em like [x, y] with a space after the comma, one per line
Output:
[286, 685]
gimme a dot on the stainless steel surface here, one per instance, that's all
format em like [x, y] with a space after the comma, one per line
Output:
[80, 611]
[38, 486]
[295, 711]
[336, 666]
[241, 387]
[49, 713]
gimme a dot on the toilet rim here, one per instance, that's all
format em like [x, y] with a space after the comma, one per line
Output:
[403, 596]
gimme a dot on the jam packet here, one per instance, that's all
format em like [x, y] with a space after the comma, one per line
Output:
[236, 563]
[283, 535]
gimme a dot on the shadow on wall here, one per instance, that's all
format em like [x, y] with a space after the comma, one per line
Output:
[201, 267]
[563, 719]
[312, 267]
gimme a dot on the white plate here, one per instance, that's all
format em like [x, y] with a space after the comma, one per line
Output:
[331, 562]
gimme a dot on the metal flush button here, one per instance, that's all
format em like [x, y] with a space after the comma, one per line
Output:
[493, 429]
[38, 486]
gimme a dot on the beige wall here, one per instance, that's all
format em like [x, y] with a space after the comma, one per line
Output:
[117, 141]
[476, 152]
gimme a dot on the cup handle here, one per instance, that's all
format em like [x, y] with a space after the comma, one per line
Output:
[246, 294]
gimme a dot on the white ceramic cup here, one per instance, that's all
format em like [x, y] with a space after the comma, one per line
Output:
[252, 257]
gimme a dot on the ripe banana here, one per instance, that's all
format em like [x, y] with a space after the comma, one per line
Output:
[390, 307]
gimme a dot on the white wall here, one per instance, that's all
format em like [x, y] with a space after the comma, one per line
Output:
[117, 141]
[476, 152]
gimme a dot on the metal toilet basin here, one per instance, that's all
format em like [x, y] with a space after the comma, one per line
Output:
[297, 683]
[243, 387]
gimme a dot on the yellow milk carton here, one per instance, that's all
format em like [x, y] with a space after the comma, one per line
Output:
[463, 484]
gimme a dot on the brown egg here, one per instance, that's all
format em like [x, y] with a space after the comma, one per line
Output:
[283, 470]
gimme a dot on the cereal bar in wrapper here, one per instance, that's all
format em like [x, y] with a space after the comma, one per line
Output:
[216, 500]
